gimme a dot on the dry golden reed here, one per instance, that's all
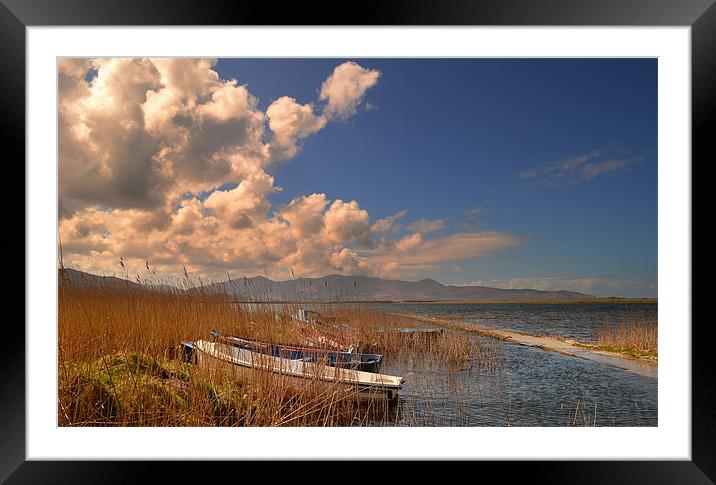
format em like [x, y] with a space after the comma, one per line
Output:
[639, 339]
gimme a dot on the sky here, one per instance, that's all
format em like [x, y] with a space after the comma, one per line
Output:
[512, 173]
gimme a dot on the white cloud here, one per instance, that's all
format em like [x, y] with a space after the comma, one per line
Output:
[347, 222]
[144, 132]
[290, 122]
[388, 224]
[414, 250]
[409, 243]
[345, 87]
[248, 200]
[304, 214]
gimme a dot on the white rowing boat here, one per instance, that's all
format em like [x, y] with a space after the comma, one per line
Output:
[367, 384]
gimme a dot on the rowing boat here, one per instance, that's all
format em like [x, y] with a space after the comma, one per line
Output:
[331, 357]
[366, 384]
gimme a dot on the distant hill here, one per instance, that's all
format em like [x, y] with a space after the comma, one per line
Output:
[339, 288]
[364, 288]
[83, 279]
[80, 278]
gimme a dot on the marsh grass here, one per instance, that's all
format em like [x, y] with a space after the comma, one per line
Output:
[639, 339]
[635, 340]
[119, 360]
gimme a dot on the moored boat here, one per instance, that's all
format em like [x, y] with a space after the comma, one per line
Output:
[316, 318]
[366, 384]
[331, 357]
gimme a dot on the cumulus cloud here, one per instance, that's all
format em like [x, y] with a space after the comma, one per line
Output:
[304, 214]
[345, 88]
[144, 131]
[249, 200]
[162, 160]
[106, 155]
[347, 222]
[576, 170]
[225, 231]
[290, 122]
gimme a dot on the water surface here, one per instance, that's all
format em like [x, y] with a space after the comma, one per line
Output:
[535, 387]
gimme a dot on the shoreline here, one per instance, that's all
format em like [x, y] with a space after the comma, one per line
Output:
[642, 366]
[610, 301]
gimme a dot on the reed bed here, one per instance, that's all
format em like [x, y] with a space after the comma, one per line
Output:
[640, 339]
[119, 362]
[635, 340]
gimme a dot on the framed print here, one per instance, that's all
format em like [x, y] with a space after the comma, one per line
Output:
[423, 233]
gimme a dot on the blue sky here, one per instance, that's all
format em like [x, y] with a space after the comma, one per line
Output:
[559, 153]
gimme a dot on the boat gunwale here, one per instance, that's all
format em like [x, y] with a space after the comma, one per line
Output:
[375, 358]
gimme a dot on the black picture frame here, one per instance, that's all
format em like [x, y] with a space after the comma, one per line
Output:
[700, 15]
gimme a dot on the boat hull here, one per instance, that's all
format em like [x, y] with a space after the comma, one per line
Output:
[236, 362]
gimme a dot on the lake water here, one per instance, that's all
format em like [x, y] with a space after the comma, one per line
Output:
[534, 387]
[577, 321]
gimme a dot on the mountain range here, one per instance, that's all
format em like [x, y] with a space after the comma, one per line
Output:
[342, 288]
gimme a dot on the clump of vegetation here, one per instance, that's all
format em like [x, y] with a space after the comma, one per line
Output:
[635, 340]
[138, 390]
